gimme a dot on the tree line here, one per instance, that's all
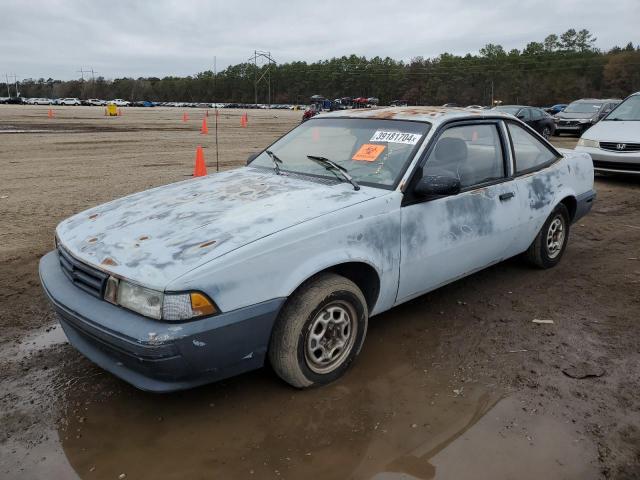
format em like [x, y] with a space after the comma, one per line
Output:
[558, 69]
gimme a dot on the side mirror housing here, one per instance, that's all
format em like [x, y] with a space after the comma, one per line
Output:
[251, 157]
[437, 186]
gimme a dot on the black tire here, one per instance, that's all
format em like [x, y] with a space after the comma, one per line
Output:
[544, 252]
[546, 133]
[290, 349]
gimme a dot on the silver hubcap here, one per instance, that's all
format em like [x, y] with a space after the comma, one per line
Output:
[555, 237]
[546, 133]
[330, 337]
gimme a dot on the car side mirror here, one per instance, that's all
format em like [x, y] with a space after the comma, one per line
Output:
[252, 157]
[520, 116]
[437, 185]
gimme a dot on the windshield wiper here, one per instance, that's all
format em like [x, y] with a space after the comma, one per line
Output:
[276, 161]
[334, 167]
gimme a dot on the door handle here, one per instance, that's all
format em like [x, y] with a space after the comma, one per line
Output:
[506, 196]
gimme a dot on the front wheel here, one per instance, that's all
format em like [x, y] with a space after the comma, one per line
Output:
[546, 133]
[319, 332]
[550, 243]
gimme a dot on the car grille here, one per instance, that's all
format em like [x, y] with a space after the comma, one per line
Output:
[82, 275]
[568, 123]
[631, 167]
[620, 146]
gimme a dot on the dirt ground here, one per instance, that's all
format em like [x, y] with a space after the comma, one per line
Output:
[457, 384]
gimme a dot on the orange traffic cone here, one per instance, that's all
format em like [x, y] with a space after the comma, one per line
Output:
[119, 113]
[243, 120]
[200, 169]
[206, 113]
[50, 113]
[204, 130]
[185, 117]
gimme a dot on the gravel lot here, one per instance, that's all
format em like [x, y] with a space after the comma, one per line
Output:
[459, 383]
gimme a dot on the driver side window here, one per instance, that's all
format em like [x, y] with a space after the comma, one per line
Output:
[471, 153]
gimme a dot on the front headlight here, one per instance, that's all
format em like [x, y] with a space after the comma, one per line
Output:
[158, 305]
[585, 142]
[145, 301]
[584, 120]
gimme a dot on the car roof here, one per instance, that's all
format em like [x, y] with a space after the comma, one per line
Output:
[434, 115]
[596, 100]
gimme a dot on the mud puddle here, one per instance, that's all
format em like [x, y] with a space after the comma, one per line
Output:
[40, 340]
[403, 411]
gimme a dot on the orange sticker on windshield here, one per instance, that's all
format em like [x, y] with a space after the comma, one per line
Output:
[368, 152]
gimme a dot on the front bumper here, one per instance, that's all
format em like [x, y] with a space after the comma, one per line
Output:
[584, 203]
[609, 161]
[572, 128]
[153, 355]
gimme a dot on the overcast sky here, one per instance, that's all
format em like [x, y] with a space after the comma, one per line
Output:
[56, 38]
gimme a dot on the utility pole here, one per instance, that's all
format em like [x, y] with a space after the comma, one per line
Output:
[265, 57]
[492, 100]
[15, 83]
[215, 111]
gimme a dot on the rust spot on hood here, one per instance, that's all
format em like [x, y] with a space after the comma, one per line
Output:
[109, 261]
[143, 238]
[94, 216]
[207, 244]
[92, 239]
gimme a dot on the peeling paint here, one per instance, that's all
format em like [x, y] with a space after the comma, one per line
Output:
[155, 236]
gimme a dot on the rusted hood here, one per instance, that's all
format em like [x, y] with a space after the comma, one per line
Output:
[152, 237]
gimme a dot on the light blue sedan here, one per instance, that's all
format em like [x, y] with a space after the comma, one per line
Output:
[286, 259]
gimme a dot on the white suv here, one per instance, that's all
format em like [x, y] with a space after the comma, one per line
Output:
[70, 101]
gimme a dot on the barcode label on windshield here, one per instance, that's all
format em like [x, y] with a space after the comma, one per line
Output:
[396, 137]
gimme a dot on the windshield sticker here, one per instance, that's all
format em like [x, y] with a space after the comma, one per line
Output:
[396, 137]
[368, 152]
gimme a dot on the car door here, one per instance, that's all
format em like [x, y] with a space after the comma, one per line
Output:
[537, 179]
[537, 120]
[445, 238]
[524, 115]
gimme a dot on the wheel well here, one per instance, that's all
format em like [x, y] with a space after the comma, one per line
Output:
[360, 273]
[571, 204]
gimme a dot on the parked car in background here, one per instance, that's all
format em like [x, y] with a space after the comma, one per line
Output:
[119, 102]
[143, 103]
[536, 118]
[557, 108]
[42, 101]
[94, 102]
[70, 101]
[581, 115]
[284, 260]
[14, 100]
[614, 142]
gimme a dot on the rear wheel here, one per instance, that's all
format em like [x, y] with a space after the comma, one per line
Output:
[550, 243]
[546, 133]
[319, 331]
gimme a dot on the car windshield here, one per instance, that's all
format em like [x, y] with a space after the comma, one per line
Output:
[583, 107]
[511, 110]
[374, 152]
[627, 110]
